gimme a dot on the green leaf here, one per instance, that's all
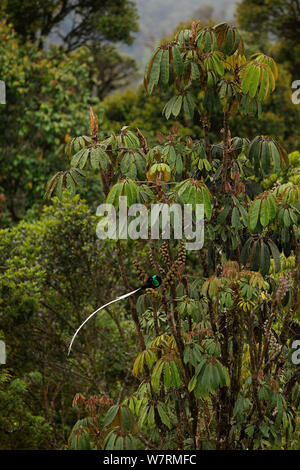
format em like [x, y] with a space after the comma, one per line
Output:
[243, 213]
[70, 184]
[130, 190]
[156, 374]
[127, 166]
[177, 106]
[83, 160]
[95, 157]
[77, 175]
[179, 165]
[83, 442]
[275, 155]
[167, 376]
[163, 415]
[192, 383]
[223, 215]
[235, 218]
[273, 207]
[114, 194]
[254, 152]
[127, 419]
[155, 71]
[207, 204]
[253, 214]
[255, 260]
[110, 415]
[265, 156]
[245, 253]
[175, 376]
[237, 40]
[188, 105]
[177, 61]
[229, 42]
[254, 82]
[286, 218]
[169, 106]
[119, 444]
[59, 187]
[164, 68]
[52, 184]
[110, 440]
[264, 261]
[263, 85]
[265, 212]
[195, 73]
[77, 158]
[218, 65]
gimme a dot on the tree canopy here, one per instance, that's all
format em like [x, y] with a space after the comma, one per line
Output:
[279, 19]
[78, 22]
[215, 338]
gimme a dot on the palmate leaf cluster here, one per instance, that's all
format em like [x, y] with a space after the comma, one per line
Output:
[214, 58]
[211, 338]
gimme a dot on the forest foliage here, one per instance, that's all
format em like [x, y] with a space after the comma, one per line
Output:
[204, 361]
[222, 348]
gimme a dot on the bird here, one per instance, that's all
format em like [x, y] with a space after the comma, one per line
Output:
[153, 282]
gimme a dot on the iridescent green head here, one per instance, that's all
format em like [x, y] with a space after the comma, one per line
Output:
[156, 280]
[152, 282]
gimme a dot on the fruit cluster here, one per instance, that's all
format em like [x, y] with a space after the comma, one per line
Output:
[174, 270]
[275, 346]
[164, 251]
[182, 252]
[154, 293]
[155, 265]
[140, 271]
[284, 285]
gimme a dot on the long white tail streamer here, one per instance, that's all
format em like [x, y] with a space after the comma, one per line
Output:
[98, 310]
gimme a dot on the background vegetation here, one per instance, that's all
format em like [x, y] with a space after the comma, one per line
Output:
[54, 272]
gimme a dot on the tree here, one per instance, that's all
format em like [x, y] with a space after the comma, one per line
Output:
[279, 19]
[204, 13]
[44, 88]
[212, 368]
[47, 100]
[279, 116]
[109, 70]
[53, 272]
[20, 428]
[74, 22]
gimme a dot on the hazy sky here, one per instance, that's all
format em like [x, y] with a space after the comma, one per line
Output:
[160, 17]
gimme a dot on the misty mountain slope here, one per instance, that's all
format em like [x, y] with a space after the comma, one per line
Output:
[159, 18]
